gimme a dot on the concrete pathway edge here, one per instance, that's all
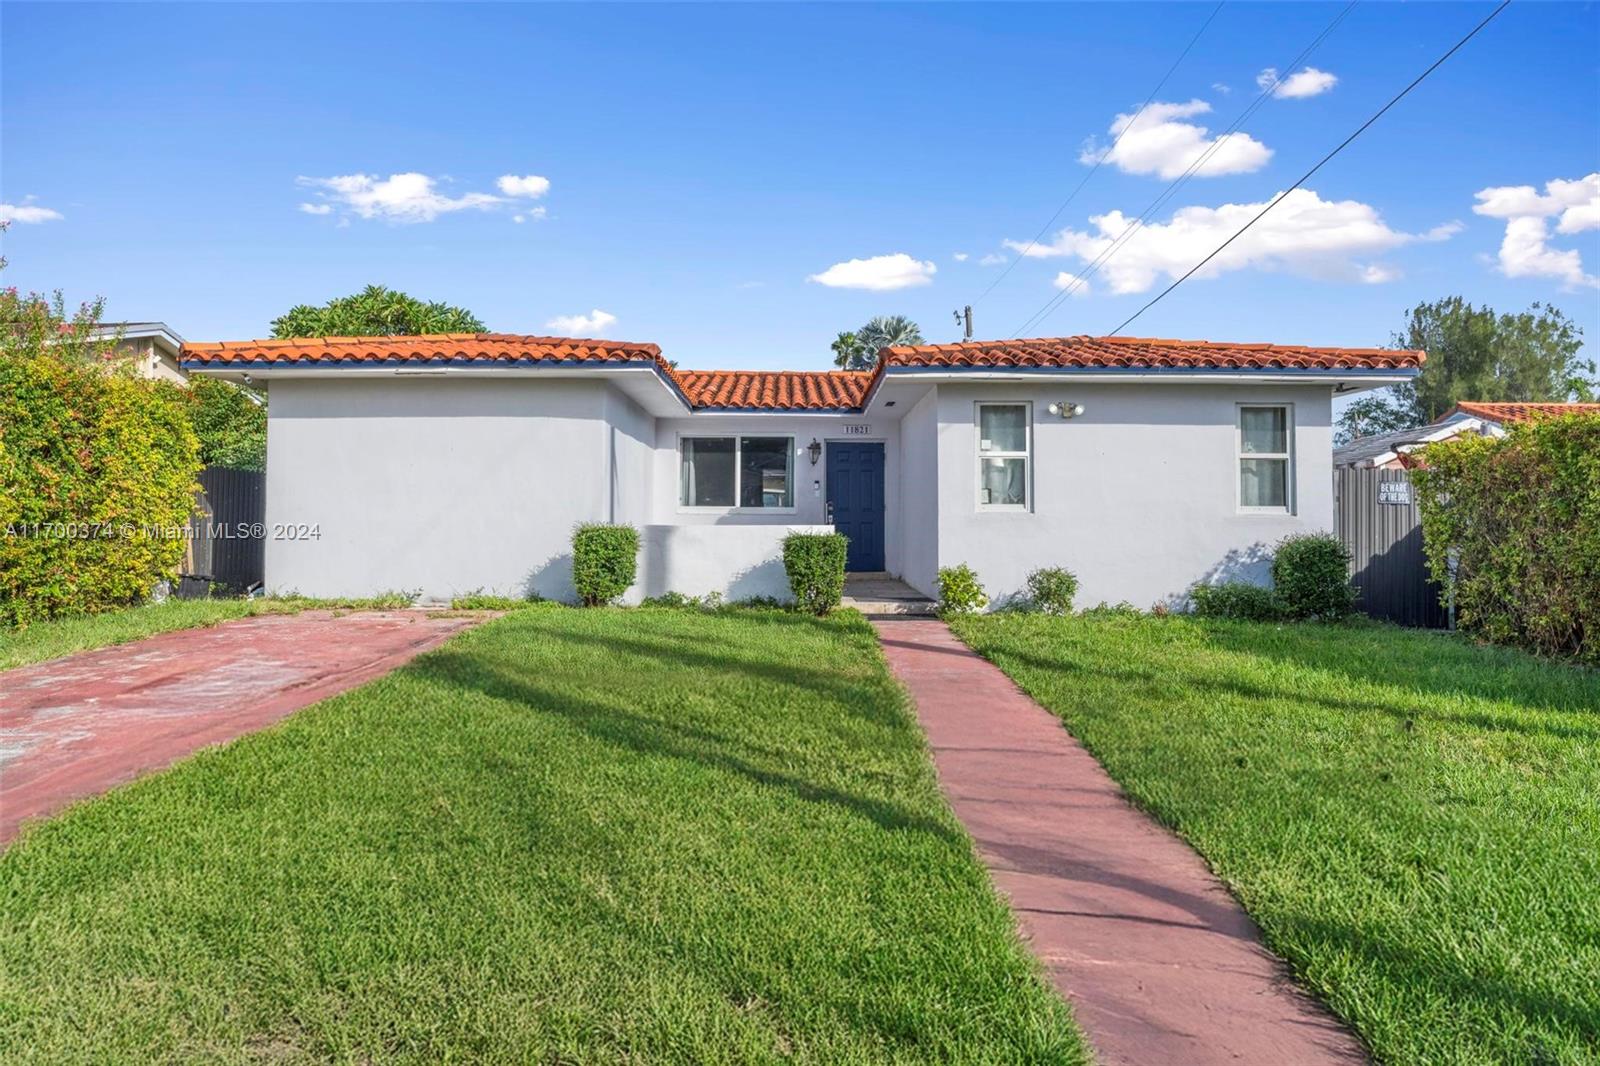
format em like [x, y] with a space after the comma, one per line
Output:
[1158, 960]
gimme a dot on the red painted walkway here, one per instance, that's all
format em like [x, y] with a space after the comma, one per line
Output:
[77, 726]
[1160, 963]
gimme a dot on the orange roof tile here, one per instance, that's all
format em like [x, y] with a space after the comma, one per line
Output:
[1139, 353]
[782, 390]
[431, 348]
[1521, 412]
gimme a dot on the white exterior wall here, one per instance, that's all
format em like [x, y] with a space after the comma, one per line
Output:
[919, 495]
[1138, 496]
[443, 485]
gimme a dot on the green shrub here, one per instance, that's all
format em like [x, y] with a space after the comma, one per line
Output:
[605, 559]
[230, 423]
[485, 601]
[1238, 600]
[97, 480]
[1051, 589]
[815, 565]
[1311, 575]
[1104, 610]
[1521, 514]
[959, 590]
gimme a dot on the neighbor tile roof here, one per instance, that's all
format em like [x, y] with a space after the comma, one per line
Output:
[437, 347]
[781, 390]
[1521, 412]
[1140, 353]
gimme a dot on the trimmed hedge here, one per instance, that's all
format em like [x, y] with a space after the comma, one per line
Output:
[97, 483]
[1311, 576]
[605, 560]
[815, 565]
[1521, 514]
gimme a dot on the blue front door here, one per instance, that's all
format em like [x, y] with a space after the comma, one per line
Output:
[855, 499]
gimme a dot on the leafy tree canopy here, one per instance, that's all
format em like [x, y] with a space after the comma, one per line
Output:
[1476, 354]
[859, 350]
[375, 311]
[230, 423]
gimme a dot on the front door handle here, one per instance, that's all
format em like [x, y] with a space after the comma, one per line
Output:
[827, 513]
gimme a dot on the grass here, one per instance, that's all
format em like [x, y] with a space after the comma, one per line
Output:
[568, 836]
[1413, 820]
[52, 639]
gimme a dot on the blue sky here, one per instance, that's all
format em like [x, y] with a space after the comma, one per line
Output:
[709, 172]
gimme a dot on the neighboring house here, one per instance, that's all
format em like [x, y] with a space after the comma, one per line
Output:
[1392, 451]
[454, 463]
[154, 349]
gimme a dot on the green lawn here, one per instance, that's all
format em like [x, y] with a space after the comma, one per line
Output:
[567, 836]
[1414, 821]
[63, 636]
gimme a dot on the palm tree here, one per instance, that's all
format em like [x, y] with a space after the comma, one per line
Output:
[885, 331]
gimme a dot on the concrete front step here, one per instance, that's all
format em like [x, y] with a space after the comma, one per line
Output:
[878, 595]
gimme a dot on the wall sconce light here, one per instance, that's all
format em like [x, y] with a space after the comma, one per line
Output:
[1065, 410]
[814, 449]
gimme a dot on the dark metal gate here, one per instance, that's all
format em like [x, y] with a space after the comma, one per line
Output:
[228, 543]
[1381, 525]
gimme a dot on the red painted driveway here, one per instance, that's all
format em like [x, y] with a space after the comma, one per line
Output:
[1159, 961]
[77, 726]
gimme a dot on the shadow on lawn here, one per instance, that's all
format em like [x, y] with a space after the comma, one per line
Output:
[648, 735]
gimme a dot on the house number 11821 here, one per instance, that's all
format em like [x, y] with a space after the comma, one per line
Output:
[858, 431]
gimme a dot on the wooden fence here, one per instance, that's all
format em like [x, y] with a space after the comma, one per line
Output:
[1381, 525]
[228, 542]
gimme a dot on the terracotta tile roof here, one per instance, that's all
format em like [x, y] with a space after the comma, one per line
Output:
[1139, 353]
[438, 347]
[782, 390]
[1521, 412]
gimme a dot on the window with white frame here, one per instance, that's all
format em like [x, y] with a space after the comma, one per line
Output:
[1266, 466]
[742, 472]
[1005, 441]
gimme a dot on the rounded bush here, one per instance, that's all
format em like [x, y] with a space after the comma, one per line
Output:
[1051, 589]
[959, 590]
[1311, 576]
[815, 565]
[604, 562]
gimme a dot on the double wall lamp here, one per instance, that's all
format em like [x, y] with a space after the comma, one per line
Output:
[1065, 410]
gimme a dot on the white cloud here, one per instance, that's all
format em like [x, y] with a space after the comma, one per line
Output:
[1158, 143]
[1299, 85]
[992, 259]
[1219, 87]
[1525, 251]
[28, 213]
[408, 197]
[877, 274]
[1443, 232]
[317, 209]
[1333, 240]
[530, 187]
[588, 325]
[960, 257]
[1064, 280]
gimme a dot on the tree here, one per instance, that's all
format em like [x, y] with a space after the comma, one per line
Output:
[230, 423]
[1372, 414]
[1474, 354]
[859, 350]
[848, 354]
[374, 312]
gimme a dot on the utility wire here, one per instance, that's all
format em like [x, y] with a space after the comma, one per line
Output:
[1303, 178]
[1105, 155]
[1132, 228]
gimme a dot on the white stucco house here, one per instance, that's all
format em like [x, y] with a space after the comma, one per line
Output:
[454, 463]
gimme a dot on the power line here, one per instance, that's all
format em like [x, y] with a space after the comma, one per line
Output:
[1104, 156]
[1129, 231]
[1304, 177]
